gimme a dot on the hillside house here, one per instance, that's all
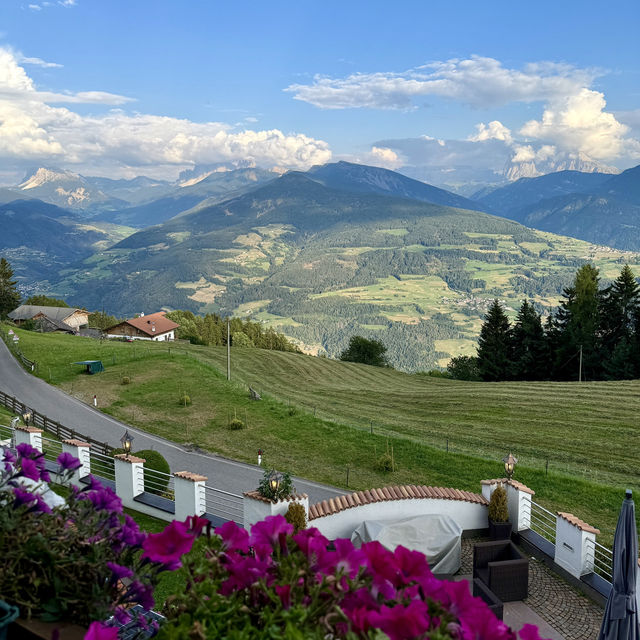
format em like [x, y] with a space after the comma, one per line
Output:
[155, 326]
[49, 319]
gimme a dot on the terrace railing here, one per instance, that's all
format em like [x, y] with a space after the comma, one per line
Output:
[160, 483]
[52, 426]
[223, 504]
[602, 559]
[543, 522]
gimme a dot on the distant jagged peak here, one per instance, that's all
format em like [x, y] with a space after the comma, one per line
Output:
[43, 175]
[532, 169]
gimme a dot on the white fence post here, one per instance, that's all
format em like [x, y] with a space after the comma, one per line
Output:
[80, 450]
[575, 541]
[29, 435]
[189, 494]
[256, 507]
[129, 472]
[518, 500]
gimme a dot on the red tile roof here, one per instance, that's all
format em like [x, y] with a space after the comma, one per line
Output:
[146, 324]
[408, 492]
[514, 483]
[576, 522]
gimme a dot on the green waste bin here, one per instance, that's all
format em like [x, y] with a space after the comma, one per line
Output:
[8, 613]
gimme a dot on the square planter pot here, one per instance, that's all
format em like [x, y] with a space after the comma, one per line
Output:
[500, 530]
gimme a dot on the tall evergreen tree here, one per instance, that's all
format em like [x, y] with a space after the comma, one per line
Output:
[495, 360]
[620, 308]
[9, 296]
[578, 321]
[530, 355]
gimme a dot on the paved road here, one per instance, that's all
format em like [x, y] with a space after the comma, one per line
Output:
[222, 473]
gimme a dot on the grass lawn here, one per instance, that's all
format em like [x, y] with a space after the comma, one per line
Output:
[585, 434]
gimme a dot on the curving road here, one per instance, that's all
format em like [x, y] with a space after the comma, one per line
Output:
[222, 473]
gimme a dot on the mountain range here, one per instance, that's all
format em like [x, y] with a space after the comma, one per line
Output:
[321, 255]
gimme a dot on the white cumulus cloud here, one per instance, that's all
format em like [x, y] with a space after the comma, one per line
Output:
[495, 130]
[580, 123]
[34, 125]
[478, 81]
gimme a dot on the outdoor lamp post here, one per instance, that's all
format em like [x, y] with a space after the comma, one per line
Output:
[126, 441]
[26, 417]
[510, 463]
[274, 482]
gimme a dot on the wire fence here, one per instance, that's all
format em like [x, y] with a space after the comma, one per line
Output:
[102, 466]
[51, 448]
[602, 559]
[223, 504]
[159, 482]
[543, 522]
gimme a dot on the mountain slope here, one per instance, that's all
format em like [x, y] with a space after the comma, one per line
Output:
[39, 238]
[215, 187]
[323, 264]
[607, 213]
[528, 191]
[364, 179]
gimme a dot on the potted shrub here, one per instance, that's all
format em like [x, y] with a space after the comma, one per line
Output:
[499, 525]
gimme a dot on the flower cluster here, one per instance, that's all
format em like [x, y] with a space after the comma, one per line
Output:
[78, 558]
[282, 584]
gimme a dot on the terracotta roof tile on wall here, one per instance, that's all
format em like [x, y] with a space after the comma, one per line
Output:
[514, 483]
[386, 494]
[576, 522]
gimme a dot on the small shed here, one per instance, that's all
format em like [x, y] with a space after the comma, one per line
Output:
[93, 366]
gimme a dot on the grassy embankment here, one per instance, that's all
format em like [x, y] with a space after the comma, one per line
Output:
[587, 432]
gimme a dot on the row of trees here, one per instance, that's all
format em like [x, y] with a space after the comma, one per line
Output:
[593, 335]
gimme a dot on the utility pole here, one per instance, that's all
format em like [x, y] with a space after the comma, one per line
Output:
[580, 370]
[228, 352]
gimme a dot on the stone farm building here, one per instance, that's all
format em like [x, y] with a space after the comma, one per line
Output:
[51, 318]
[155, 326]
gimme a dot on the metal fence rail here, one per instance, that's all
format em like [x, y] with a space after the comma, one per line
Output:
[543, 522]
[7, 436]
[51, 448]
[52, 426]
[223, 504]
[102, 466]
[159, 482]
[602, 558]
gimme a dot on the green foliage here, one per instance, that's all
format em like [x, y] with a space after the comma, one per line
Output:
[495, 348]
[101, 320]
[241, 339]
[464, 368]
[284, 489]
[498, 509]
[384, 463]
[125, 380]
[155, 461]
[185, 400]
[9, 296]
[236, 424]
[44, 301]
[365, 351]
[296, 516]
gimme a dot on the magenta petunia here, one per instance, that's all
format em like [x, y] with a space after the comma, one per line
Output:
[412, 565]
[30, 469]
[195, 524]
[104, 499]
[27, 451]
[168, 546]
[234, 538]
[346, 559]
[529, 632]
[270, 533]
[100, 631]
[400, 622]
[284, 593]
[142, 594]
[24, 497]
[119, 571]
[67, 461]
[243, 572]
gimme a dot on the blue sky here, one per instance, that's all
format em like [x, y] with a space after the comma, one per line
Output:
[122, 88]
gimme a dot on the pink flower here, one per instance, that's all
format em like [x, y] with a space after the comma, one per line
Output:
[269, 534]
[67, 461]
[529, 632]
[30, 469]
[284, 593]
[345, 559]
[99, 631]
[244, 571]
[311, 542]
[234, 538]
[412, 564]
[168, 546]
[195, 524]
[402, 623]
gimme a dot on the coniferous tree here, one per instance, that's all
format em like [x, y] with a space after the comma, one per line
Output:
[530, 355]
[9, 295]
[495, 359]
[578, 321]
[365, 351]
[620, 307]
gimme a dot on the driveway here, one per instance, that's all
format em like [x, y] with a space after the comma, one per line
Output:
[222, 473]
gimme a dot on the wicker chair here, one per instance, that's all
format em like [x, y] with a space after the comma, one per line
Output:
[502, 568]
[481, 590]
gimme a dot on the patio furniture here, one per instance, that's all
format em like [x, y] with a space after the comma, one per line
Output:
[502, 568]
[494, 603]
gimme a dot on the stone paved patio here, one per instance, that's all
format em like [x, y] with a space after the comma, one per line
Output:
[570, 613]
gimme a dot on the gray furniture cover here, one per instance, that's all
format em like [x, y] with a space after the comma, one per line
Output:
[437, 536]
